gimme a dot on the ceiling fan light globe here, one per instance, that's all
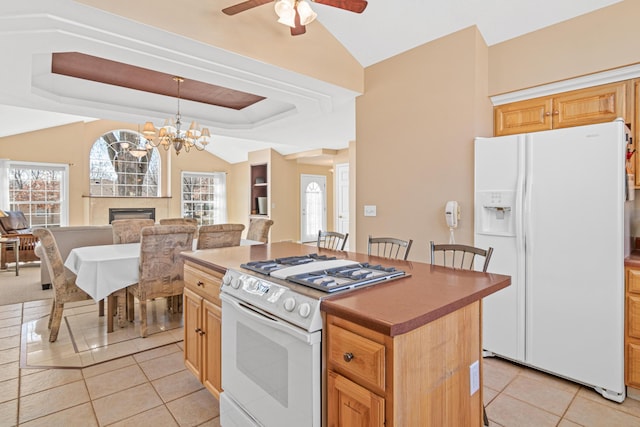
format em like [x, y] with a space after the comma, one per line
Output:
[307, 15]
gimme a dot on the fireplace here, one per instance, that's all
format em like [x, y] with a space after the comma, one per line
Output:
[129, 213]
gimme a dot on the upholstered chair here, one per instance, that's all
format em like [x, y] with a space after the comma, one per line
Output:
[128, 230]
[161, 272]
[63, 280]
[219, 235]
[181, 221]
[259, 229]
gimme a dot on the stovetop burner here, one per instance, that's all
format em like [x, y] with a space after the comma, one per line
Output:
[346, 277]
[324, 273]
[268, 266]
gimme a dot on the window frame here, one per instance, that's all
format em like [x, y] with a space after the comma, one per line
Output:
[219, 196]
[7, 165]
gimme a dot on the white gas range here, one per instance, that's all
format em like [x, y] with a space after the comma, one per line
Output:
[271, 336]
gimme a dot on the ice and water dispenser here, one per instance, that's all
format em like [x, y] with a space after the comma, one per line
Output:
[496, 212]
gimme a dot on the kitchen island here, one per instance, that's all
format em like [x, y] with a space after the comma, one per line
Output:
[399, 353]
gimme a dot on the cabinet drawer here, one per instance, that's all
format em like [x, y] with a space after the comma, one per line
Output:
[205, 284]
[633, 364]
[357, 357]
[633, 280]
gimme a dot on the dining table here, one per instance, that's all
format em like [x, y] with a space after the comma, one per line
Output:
[103, 270]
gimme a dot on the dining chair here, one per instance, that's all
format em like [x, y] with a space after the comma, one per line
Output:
[462, 257]
[332, 240]
[219, 235]
[161, 272]
[389, 247]
[259, 229]
[459, 256]
[128, 230]
[181, 221]
[64, 281]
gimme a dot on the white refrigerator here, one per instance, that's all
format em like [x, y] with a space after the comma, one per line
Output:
[555, 207]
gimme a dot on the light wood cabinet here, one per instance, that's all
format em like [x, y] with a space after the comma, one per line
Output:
[575, 108]
[202, 325]
[632, 327]
[421, 377]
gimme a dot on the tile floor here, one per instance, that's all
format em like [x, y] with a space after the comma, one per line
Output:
[152, 387]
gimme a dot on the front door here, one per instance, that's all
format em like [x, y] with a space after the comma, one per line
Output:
[313, 206]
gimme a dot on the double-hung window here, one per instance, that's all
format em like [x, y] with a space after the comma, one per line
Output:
[204, 197]
[39, 190]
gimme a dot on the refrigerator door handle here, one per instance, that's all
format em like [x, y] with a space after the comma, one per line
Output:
[529, 244]
[521, 240]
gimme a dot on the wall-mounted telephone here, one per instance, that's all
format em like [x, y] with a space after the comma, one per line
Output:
[452, 213]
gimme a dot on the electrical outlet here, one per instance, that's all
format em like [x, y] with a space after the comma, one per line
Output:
[474, 377]
[370, 210]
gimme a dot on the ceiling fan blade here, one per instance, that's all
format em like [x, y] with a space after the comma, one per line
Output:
[357, 6]
[245, 5]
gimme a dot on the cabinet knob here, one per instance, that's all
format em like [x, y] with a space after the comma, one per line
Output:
[556, 112]
[198, 330]
[548, 113]
[201, 332]
[200, 283]
[348, 357]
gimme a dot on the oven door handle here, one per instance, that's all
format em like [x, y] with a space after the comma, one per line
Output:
[267, 320]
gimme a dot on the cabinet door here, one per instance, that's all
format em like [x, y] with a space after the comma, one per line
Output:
[633, 316]
[350, 405]
[589, 106]
[633, 364]
[211, 367]
[531, 115]
[192, 309]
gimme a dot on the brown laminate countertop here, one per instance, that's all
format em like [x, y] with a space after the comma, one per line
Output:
[393, 307]
[633, 260]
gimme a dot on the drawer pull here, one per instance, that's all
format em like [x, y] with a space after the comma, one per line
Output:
[198, 330]
[201, 332]
[348, 357]
[200, 283]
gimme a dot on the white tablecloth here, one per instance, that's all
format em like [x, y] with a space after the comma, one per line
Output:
[104, 269]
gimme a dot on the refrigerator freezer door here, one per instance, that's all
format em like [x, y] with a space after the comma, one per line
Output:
[575, 253]
[499, 172]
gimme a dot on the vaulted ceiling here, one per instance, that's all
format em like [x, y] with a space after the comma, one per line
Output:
[296, 93]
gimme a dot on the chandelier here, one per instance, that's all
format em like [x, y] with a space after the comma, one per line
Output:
[287, 10]
[172, 135]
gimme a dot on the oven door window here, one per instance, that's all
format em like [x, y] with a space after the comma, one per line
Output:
[270, 368]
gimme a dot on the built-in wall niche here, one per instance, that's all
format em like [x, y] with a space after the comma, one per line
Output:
[259, 190]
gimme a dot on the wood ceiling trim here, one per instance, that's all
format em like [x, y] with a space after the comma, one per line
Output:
[87, 67]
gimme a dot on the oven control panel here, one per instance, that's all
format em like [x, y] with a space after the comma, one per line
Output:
[274, 299]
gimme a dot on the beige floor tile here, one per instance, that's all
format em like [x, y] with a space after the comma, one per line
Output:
[630, 406]
[539, 394]
[590, 413]
[9, 370]
[53, 400]
[156, 417]
[156, 352]
[211, 423]
[488, 394]
[9, 413]
[195, 409]
[176, 385]
[8, 390]
[78, 416]
[511, 412]
[550, 380]
[47, 379]
[127, 403]
[10, 355]
[29, 371]
[115, 381]
[111, 365]
[497, 373]
[10, 342]
[163, 366]
[10, 331]
[567, 423]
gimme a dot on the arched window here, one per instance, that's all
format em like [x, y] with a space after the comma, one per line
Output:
[122, 165]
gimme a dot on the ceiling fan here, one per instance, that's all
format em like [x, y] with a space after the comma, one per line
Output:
[296, 13]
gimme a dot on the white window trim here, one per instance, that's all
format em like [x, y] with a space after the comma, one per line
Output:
[5, 165]
[220, 206]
